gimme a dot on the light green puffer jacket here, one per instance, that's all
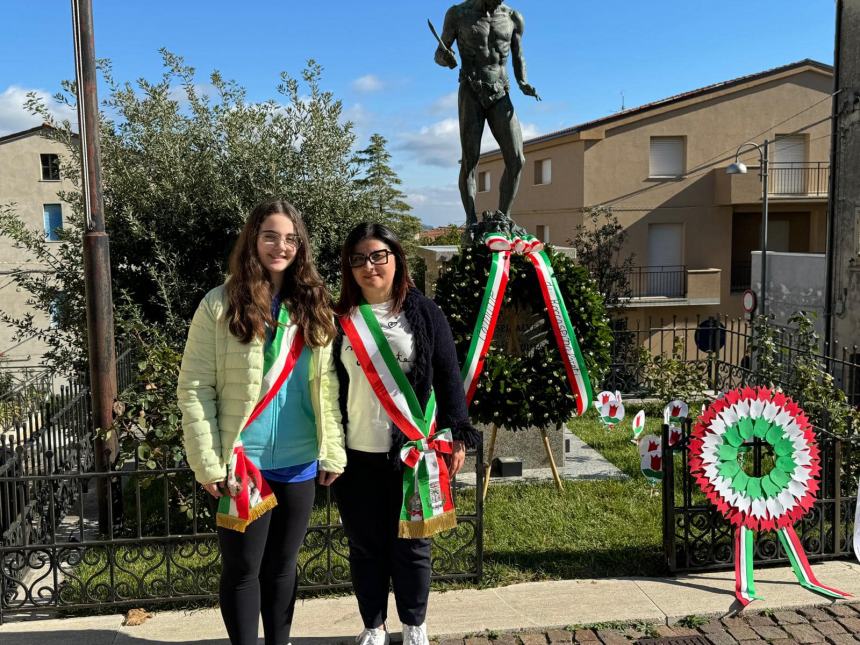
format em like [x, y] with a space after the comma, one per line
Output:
[219, 385]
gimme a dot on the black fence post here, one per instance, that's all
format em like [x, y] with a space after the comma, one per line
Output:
[668, 501]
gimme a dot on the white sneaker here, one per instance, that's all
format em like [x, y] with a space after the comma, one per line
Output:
[372, 636]
[415, 635]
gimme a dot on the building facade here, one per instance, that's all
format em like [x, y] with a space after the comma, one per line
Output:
[31, 176]
[661, 168]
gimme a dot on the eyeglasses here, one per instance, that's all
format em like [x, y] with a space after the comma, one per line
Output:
[357, 260]
[273, 239]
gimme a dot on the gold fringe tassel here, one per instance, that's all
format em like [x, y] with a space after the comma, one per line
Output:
[239, 523]
[428, 528]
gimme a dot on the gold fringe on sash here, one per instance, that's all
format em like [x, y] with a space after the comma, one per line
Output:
[240, 524]
[428, 528]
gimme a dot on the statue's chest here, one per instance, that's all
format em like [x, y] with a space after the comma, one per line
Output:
[486, 30]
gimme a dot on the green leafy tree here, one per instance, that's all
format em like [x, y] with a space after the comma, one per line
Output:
[599, 247]
[380, 185]
[181, 169]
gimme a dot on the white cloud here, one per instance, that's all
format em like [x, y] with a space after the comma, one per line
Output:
[438, 144]
[367, 83]
[13, 116]
[436, 205]
[445, 104]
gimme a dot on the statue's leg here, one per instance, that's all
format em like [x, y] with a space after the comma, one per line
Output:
[471, 130]
[506, 129]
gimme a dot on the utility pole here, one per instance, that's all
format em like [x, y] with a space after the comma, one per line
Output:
[97, 278]
[842, 298]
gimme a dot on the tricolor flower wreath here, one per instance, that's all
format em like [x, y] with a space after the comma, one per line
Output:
[774, 501]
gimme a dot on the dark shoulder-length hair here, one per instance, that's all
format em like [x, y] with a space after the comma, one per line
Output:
[249, 293]
[350, 292]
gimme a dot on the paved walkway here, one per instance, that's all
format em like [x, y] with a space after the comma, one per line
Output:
[581, 463]
[532, 610]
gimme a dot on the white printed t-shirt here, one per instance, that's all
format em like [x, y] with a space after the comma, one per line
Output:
[369, 425]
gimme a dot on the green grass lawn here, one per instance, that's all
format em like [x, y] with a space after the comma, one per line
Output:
[591, 529]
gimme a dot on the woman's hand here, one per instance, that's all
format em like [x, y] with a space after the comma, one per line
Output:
[216, 489]
[456, 459]
[327, 478]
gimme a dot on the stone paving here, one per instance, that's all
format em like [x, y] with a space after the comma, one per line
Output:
[833, 624]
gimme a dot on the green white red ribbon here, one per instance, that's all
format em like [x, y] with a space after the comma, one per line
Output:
[249, 495]
[773, 501]
[427, 506]
[485, 325]
[744, 555]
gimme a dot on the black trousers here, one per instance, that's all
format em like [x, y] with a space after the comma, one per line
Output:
[369, 494]
[258, 567]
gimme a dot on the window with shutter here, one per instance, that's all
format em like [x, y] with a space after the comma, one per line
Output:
[484, 181]
[667, 157]
[543, 172]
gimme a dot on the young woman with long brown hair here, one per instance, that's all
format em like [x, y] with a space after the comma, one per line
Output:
[407, 426]
[260, 415]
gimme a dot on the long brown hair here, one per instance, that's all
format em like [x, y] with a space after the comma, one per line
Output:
[249, 290]
[350, 292]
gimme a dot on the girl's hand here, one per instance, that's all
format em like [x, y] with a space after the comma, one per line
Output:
[216, 489]
[327, 478]
[456, 459]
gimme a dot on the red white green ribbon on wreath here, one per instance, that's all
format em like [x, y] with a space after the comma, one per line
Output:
[773, 501]
[427, 506]
[249, 495]
[488, 314]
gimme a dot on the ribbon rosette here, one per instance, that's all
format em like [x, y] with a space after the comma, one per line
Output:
[776, 499]
[414, 451]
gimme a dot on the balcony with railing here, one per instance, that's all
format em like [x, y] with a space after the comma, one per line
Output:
[672, 285]
[785, 181]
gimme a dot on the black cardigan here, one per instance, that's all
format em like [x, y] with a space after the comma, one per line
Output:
[435, 366]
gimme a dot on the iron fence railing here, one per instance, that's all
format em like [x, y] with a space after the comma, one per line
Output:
[160, 545]
[668, 281]
[806, 179]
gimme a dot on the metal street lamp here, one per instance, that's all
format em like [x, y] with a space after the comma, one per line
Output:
[739, 168]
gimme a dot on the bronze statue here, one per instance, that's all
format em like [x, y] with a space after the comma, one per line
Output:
[486, 31]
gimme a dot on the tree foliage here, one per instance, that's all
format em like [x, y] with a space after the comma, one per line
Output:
[182, 166]
[599, 249]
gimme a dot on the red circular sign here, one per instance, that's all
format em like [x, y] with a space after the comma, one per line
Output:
[750, 301]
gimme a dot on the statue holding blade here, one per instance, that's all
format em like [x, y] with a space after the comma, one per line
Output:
[486, 32]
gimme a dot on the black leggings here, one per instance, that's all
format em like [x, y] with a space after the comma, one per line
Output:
[369, 494]
[258, 567]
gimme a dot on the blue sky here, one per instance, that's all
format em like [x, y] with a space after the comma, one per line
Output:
[377, 57]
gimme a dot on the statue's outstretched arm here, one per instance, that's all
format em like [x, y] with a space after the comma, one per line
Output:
[518, 59]
[444, 55]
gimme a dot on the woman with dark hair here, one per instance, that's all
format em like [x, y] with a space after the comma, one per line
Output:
[406, 423]
[260, 415]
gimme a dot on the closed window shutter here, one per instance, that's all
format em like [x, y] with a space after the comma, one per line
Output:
[667, 157]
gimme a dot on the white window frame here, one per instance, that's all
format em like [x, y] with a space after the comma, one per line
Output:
[543, 172]
[664, 168]
[545, 237]
[484, 181]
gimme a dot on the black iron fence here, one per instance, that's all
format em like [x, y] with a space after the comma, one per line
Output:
[161, 545]
[799, 178]
[669, 281]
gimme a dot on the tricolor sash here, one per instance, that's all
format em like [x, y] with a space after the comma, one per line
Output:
[491, 303]
[249, 495]
[427, 506]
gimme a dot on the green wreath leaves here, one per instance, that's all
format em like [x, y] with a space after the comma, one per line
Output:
[519, 391]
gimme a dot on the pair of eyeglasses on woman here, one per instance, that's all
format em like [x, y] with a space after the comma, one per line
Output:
[357, 260]
[272, 239]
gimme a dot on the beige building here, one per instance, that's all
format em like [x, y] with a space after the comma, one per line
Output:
[31, 175]
[661, 168]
